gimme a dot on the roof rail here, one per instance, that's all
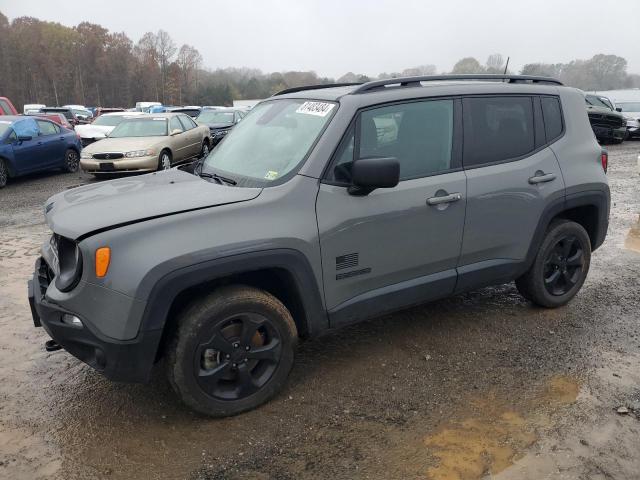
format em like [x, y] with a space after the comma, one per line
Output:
[415, 81]
[315, 87]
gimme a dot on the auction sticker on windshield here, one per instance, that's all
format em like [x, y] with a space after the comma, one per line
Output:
[320, 109]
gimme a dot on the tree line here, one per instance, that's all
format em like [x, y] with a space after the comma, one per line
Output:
[49, 63]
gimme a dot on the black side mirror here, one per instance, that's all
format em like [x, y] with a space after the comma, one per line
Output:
[24, 138]
[618, 109]
[367, 174]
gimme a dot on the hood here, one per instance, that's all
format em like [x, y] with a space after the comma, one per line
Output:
[80, 211]
[93, 131]
[124, 144]
[603, 111]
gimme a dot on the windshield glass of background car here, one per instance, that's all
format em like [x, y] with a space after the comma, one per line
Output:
[148, 127]
[629, 106]
[108, 120]
[216, 117]
[4, 126]
[592, 100]
[271, 141]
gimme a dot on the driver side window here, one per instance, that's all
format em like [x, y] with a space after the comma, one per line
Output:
[175, 124]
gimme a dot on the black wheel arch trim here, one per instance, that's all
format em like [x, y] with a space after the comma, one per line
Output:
[589, 195]
[179, 278]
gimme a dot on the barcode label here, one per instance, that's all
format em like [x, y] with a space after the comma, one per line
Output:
[319, 109]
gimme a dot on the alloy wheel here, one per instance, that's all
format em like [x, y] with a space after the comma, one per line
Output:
[237, 357]
[563, 266]
[3, 174]
[205, 150]
[165, 161]
[72, 161]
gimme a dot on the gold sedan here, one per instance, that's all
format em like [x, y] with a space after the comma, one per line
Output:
[146, 144]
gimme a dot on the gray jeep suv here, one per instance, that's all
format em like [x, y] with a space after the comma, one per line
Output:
[325, 206]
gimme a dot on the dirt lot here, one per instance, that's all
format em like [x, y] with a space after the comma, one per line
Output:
[482, 385]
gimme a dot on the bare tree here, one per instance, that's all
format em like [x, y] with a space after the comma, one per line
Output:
[166, 49]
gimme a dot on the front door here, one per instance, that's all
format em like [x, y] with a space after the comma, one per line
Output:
[399, 246]
[179, 141]
[27, 153]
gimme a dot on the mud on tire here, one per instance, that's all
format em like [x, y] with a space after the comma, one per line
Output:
[232, 351]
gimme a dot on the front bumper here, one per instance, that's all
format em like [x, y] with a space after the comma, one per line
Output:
[123, 361]
[218, 135]
[121, 165]
[608, 133]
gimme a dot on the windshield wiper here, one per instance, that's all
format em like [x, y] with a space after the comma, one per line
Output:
[217, 177]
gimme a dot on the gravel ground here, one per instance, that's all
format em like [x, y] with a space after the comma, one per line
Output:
[482, 385]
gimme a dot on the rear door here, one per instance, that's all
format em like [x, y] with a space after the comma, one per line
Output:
[512, 175]
[398, 246]
[53, 145]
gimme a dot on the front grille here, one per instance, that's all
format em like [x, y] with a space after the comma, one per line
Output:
[45, 276]
[604, 120]
[107, 156]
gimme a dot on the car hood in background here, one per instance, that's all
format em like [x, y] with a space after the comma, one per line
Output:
[93, 131]
[124, 144]
[218, 125]
[99, 206]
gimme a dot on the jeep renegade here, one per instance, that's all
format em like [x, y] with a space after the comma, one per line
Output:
[325, 206]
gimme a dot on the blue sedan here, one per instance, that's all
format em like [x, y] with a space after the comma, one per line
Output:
[29, 145]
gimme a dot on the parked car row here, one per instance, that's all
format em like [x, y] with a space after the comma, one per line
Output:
[614, 115]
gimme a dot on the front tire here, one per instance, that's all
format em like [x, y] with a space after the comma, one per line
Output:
[4, 173]
[560, 267]
[71, 161]
[204, 152]
[164, 160]
[233, 351]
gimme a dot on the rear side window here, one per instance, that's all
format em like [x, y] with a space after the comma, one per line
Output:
[47, 128]
[187, 122]
[175, 124]
[497, 129]
[552, 117]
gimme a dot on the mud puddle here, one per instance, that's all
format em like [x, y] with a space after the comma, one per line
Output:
[487, 443]
[632, 240]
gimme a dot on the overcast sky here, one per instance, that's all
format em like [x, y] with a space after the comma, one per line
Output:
[333, 37]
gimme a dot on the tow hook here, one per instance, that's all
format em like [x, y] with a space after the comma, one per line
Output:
[51, 346]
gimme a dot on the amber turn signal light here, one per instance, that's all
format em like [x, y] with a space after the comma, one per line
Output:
[103, 256]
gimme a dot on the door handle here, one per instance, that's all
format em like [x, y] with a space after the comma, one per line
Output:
[39, 143]
[452, 197]
[541, 177]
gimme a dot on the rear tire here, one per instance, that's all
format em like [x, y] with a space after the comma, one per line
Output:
[233, 351]
[71, 161]
[560, 267]
[4, 173]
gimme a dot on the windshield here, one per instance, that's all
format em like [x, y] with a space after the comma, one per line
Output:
[629, 106]
[593, 100]
[147, 127]
[4, 126]
[270, 141]
[216, 117]
[109, 120]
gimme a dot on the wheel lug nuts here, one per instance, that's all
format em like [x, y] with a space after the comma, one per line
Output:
[236, 345]
[246, 360]
[228, 356]
[246, 348]
[234, 365]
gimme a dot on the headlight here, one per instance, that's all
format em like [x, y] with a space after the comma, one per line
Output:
[69, 262]
[140, 153]
[86, 155]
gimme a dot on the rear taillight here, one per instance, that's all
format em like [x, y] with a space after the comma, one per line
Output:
[604, 159]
